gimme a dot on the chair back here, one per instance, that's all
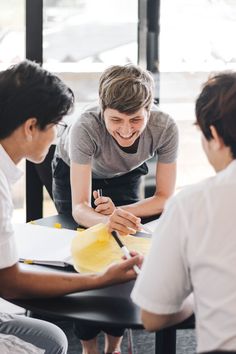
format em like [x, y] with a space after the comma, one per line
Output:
[44, 170]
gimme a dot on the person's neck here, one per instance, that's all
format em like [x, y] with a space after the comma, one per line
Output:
[130, 149]
[225, 160]
[12, 148]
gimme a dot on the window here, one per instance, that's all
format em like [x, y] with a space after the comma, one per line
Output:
[196, 38]
[12, 50]
[82, 37]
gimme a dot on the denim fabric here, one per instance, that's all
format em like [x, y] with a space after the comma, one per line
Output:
[61, 190]
[122, 190]
[40, 333]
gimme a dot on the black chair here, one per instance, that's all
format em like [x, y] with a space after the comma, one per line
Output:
[166, 338]
[44, 170]
[37, 176]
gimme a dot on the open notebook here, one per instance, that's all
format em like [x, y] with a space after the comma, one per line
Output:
[44, 245]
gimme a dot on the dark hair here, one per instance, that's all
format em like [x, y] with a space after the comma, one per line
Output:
[216, 105]
[126, 88]
[26, 91]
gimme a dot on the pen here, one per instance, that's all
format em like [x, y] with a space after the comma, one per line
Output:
[26, 261]
[99, 192]
[125, 250]
[146, 229]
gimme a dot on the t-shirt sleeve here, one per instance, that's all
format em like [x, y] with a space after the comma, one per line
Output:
[8, 250]
[168, 149]
[164, 281]
[81, 144]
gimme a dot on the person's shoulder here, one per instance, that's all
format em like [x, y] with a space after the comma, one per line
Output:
[90, 118]
[91, 110]
[161, 125]
[160, 119]
[221, 179]
[227, 175]
[194, 192]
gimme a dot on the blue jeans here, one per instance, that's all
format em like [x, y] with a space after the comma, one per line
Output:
[41, 334]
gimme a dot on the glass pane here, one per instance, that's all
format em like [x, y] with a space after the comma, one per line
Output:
[90, 31]
[82, 37]
[196, 38]
[12, 31]
[12, 50]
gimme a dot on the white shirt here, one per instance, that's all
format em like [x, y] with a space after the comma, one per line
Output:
[194, 249]
[9, 174]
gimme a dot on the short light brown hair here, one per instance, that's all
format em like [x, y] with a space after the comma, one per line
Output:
[126, 88]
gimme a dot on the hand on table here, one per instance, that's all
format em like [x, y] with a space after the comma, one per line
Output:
[122, 272]
[104, 205]
[124, 222]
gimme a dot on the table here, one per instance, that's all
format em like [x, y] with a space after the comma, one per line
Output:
[110, 306]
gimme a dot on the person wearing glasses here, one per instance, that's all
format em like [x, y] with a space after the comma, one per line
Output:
[194, 248]
[32, 105]
[61, 127]
[107, 149]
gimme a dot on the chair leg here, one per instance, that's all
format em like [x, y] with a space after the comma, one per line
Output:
[166, 341]
[130, 341]
[28, 313]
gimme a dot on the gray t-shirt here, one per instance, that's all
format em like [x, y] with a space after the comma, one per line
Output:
[88, 142]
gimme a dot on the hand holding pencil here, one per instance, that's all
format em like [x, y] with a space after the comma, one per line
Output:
[104, 205]
[124, 222]
[125, 250]
[120, 220]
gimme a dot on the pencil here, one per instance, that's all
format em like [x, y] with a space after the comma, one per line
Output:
[99, 192]
[125, 250]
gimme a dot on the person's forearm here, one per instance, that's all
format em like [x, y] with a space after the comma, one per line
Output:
[26, 284]
[84, 215]
[147, 207]
[154, 322]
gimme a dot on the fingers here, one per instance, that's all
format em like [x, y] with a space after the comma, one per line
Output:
[123, 222]
[137, 259]
[133, 254]
[131, 267]
[129, 263]
[104, 205]
[95, 194]
[122, 272]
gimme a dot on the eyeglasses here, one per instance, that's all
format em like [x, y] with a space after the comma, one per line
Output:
[61, 127]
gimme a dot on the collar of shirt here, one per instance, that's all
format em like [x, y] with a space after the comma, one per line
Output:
[11, 171]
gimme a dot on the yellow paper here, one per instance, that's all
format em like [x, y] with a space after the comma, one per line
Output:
[95, 249]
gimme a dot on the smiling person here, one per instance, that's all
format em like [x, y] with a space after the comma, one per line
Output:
[107, 148]
[32, 104]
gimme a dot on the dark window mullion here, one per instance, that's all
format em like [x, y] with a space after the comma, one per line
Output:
[34, 51]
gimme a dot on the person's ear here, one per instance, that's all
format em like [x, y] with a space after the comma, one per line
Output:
[30, 126]
[216, 141]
